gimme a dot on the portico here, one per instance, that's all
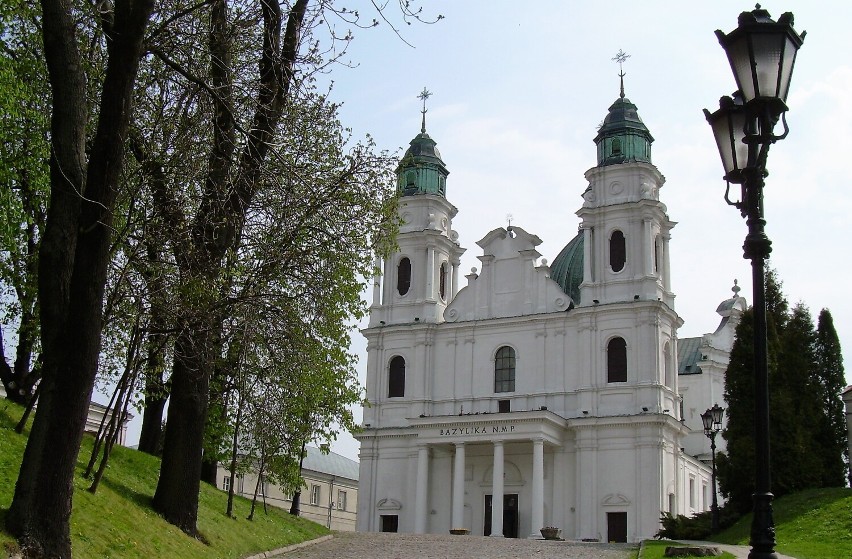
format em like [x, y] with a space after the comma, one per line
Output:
[525, 433]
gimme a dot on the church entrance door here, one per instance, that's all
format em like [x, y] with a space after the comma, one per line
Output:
[616, 527]
[510, 515]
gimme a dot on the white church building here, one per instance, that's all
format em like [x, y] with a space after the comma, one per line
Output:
[537, 395]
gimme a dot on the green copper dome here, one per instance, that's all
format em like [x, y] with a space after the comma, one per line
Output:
[567, 268]
[421, 170]
[623, 137]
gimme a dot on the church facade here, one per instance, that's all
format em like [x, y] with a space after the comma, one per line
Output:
[536, 395]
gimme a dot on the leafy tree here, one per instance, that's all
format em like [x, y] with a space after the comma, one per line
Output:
[24, 182]
[85, 166]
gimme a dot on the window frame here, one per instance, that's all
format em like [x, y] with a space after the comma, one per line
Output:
[315, 494]
[341, 499]
[616, 364]
[505, 375]
[403, 276]
[617, 250]
[396, 377]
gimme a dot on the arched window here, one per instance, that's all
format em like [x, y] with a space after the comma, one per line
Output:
[396, 377]
[403, 276]
[504, 370]
[617, 251]
[442, 281]
[616, 146]
[616, 360]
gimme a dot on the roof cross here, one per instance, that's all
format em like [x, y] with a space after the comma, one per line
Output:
[621, 57]
[424, 95]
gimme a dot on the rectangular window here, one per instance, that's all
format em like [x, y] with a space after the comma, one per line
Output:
[226, 483]
[341, 500]
[503, 406]
[315, 494]
[239, 487]
[692, 493]
[704, 505]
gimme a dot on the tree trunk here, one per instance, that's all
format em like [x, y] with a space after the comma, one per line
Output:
[176, 497]
[152, 422]
[73, 261]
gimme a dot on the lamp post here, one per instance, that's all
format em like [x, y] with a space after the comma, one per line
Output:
[762, 53]
[712, 420]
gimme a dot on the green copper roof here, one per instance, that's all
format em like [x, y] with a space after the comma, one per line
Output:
[623, 137]
[421, 170]
[567, 268]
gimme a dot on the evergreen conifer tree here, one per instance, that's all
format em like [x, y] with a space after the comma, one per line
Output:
[829, 381]
[807, 424]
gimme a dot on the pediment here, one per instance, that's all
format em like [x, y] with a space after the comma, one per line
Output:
[615, 499]
[511, 282]
[389, 504]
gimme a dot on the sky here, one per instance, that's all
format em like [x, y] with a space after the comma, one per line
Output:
[519, 88]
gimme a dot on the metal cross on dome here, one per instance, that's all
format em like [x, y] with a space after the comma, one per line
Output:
[425, 94]
[621, 57]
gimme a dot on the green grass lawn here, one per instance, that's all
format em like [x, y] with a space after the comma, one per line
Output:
[812, 524]
[118, 521]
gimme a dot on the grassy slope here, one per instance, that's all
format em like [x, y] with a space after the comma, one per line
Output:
[813, 524]
[118, 520]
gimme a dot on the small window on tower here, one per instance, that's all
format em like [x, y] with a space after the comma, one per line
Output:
[616, 146]
[403, 276]
[617, 251]
[616, 360]
[396, 378]
[442, 281]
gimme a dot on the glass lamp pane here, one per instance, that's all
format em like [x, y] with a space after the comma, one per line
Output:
[740, 58]
[767, 62]
[707, 420]
[787, 61]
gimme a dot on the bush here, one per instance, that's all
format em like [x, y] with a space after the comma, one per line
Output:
[697, 527]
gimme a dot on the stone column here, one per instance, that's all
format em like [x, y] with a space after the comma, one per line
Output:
[537, 515]
[458, 488]
[421, 508]
[497, 492]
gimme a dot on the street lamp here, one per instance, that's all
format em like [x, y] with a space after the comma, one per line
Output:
[712, 420]
[762, 53]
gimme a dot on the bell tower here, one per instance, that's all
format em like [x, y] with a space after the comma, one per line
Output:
[625, 226]
[421, 277]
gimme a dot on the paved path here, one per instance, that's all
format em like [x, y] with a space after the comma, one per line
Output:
[355, 545]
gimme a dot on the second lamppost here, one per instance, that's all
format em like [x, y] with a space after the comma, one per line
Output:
[712, 420]
[762, 53]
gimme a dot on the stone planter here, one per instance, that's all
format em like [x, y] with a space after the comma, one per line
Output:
[551, 533]
[459, 531]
